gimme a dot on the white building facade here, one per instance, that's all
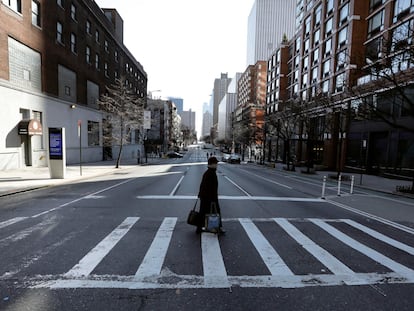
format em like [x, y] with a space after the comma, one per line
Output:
[269, 21]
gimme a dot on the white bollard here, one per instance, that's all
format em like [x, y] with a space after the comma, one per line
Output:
[339, 184]
[352, 184]
[323, 187]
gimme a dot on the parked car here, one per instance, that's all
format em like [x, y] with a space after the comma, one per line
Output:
[225, 157]
[173, 154]
[234, 158]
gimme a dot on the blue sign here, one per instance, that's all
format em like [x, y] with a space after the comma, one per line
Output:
[55, 144]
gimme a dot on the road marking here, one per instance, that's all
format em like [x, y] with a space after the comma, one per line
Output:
[215, 274]
[152, 275]
[95, 256]
[236, 198]
[269, 180]
[377, 218]
[329, 261]
[11, 221]
[271, 258]
[198, 282]
[381, 237]
[176, 186]
[237, 186]
[154, 258]
[371, 253]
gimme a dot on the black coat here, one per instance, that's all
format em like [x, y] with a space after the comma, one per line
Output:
[208, 192]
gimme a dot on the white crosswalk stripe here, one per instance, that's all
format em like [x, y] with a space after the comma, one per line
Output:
[153, 273]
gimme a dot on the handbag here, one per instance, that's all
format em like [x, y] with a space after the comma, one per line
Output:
[212, 220]
[194, 217]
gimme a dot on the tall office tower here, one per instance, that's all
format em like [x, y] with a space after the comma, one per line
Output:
[220, 89]
[269, 21]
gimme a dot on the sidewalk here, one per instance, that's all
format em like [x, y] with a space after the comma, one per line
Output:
[368, 182]
[30, 178]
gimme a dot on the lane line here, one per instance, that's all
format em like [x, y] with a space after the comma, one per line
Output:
[237, 186]
[154, 258]
[269, 180]
[215, 274]
[331, 262]
[377, 218]
[367, 251]
[95, 256]
[271, 258]
[380, 236]
[11, 221]
[176, 186]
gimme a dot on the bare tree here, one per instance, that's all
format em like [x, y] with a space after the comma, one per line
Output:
[124, 114]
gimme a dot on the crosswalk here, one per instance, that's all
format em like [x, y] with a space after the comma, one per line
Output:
[394, 260]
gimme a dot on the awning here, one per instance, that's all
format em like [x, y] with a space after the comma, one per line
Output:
[30, 127]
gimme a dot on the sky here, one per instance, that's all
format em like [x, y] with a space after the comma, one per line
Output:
[184, 45]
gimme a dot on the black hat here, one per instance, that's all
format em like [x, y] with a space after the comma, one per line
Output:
[212, 160]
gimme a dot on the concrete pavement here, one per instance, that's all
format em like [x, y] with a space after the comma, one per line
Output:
[29, 178]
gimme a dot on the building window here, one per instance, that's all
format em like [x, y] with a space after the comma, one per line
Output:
[307, 25]
[376, 23]
[343, 14]
[15, 5]
[373, 4]
[316, 37]
[328, 47]
[314, 75]
[67, 90]
[402, 36]
[325, 87]
[59, 32]
[93, 133]
[88, 55]
[97, 61]
[116, 56]
[306, 45]
[316, 56]
[329, 7]
[106, 69]
[305, 63]
[97, 36]
[298, 44]
[60, 3]
[318, 15]
[342, 36]
[106, 46]
[401, 8]
[328, 27]
[73, 43]
[326, 68]
[88, 27]
[341, 59]
[339, 84]
[36, 13]
[73, 12]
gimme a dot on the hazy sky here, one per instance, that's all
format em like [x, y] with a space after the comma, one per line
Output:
[184, 45]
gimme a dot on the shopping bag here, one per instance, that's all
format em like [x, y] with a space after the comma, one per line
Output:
[194, 217]
[212, 220]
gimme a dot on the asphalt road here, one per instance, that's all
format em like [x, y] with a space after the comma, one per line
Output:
[121, 242]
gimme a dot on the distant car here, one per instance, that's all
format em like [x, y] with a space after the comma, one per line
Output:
[173, 154]
[225, 157]
[234, 158]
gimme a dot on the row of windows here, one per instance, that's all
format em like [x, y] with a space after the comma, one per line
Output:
[96, 60]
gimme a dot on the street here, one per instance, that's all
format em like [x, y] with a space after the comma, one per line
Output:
[121, 242]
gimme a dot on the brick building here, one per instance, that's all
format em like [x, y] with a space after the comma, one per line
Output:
[53, 70]
[324, 70]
